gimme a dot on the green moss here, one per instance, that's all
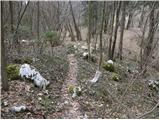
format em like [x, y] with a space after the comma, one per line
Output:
[115, 77]
[12, 71]
[109, 67]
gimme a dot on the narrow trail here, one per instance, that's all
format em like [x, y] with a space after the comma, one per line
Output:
[71, 105]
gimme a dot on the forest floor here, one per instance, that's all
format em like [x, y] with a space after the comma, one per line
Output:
[102, 99]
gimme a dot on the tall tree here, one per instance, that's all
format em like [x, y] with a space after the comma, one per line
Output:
[101, 33]
[122, 31]
[78, 33]
[5, 85]
[11, 13]
[115, 28]
[111, 31]
[38, 14]
[89, 28]
[152, 28]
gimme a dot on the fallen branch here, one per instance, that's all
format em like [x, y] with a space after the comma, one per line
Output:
[148, 111]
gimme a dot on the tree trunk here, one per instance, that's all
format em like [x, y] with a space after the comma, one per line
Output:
[78, 33]
[115, 30]
[89, 28]
[150, 37]
[38, 14]
[111, 32]
[5, 85]
[129, 20]
[11, 12]
[122, 31]
[141, 17]
[101, 32]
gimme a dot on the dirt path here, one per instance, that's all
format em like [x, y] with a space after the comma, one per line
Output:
[71, 105]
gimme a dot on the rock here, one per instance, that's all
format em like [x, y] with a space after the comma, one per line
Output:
[110, 61]
[154, 84]
[84, 47]
[39, 98]
[21, 108]
[5, 103]
[26, 71]
[96, 77]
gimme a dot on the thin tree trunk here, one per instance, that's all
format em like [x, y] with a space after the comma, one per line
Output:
[101, 32]
[150, 37]
[141, 17]
[89, 28]
[78, 33]
[5, 85]
[111, 32]
[11, 12]
[122, 31]
[116, 28]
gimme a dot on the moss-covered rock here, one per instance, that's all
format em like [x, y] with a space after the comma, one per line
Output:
[109, 67]
[13, 71]
[115, 77]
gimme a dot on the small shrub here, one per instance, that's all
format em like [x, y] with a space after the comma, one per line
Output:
[109, 67]
[52, 37]
[12, 71]
[71, 89]
[115, 77]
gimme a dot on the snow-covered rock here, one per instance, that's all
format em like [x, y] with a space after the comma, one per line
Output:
[110, 61]
[28, 72]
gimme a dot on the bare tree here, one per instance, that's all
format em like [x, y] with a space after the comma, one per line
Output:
[5, 85]
[78, 33]
[101, 32]
[11, 12]
[122, 31]
[116, 28]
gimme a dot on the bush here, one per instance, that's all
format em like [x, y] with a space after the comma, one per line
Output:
[52, 37]
[71, 89]
[70, 49]
[115, 77]
[12, 71]
[109, 67]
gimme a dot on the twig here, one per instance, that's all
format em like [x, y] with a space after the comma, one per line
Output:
[148, 111]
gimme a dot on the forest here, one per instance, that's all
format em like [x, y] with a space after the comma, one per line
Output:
[79, 59]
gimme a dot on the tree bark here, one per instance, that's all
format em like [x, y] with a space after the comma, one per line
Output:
[101, 32]
[5, 85]
[111, 32]
[89, 28]
[78, 33]
[122, 31]
[116, 28]
[11, 13]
